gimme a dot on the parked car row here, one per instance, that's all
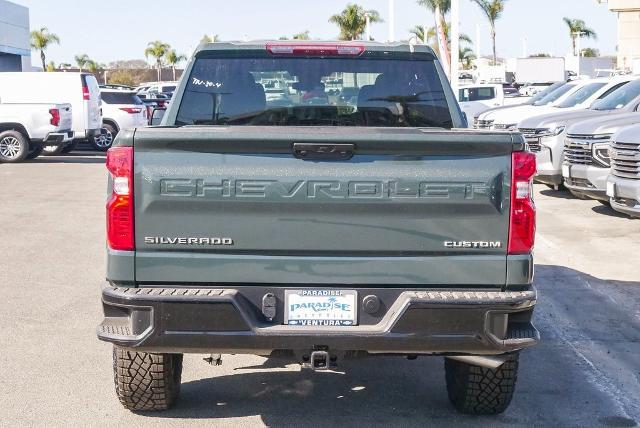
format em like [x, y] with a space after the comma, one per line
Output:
[586, 137]
[50, 113]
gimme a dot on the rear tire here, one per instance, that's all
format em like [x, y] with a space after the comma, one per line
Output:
[36, 150]
[476, 390]
[605, 203]
[14, 146]
[70, 147]
[146, 381]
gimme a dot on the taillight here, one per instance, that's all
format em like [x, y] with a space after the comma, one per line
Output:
[120, 232]
[131, 110]
[85, 93]
[522, 220]
[55, 116]
[315, 49]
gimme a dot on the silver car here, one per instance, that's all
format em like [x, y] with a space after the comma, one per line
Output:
[623, 184]
[546, 133]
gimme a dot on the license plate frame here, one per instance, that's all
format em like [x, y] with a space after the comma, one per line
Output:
[318, 307]
[566, 170]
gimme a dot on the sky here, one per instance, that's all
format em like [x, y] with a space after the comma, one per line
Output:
[117, 29]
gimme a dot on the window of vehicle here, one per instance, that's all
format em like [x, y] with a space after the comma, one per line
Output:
[619, 98]
[581, 95]
[611, 89]
[169, 89]
[390, 93]
[477, 94]
[554, 95]
[121, 98]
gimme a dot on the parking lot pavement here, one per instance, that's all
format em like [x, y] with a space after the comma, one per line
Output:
[585, 372]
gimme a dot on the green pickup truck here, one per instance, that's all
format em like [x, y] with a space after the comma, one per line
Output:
[350, 215]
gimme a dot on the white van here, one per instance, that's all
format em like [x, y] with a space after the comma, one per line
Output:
[78, 89]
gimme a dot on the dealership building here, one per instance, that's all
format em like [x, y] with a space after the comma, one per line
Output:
[15, 50]
[628, 30]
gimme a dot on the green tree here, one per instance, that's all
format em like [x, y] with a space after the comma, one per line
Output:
[304, 35]
[51, 66]
[210, 39]
[157, 50]
[40, 40]
[578, 28]
[93, 66]
[439, 9]
[81, 60]
[352, 21]
[466, 56]
[493, 10]
[590, 53]
[431, 39]
[174, 59]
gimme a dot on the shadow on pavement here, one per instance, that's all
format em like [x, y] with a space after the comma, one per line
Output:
[72, 158]
[393, 391]
[607, 210]
[561, 194]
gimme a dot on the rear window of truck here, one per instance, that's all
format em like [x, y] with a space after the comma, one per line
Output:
[314, 92]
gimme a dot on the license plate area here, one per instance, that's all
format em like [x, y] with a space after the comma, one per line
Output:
[566, 170]
[611, 189]
[321, 307]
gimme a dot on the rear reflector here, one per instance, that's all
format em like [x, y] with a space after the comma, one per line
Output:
[522, 219]
[120, 232]
[318, 49]
[131, 110]
[55, 116]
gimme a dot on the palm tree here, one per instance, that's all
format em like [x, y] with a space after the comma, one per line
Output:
[93, 66]
[51, 66]
[157, 50]
[493, 9]
[578, 28]
[210, 39]
[174, 59]
[431, 38]
[439, 9]
[466, 57]
[40, 40]
[352, 21]
[81, 60]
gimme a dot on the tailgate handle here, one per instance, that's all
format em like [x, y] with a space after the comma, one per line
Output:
[323, 151]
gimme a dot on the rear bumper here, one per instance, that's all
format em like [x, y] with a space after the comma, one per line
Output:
[57, 138]
[202, 320]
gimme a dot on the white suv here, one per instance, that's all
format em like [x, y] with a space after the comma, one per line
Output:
[121, 109]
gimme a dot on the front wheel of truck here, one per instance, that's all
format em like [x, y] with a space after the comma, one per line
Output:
[477, 390]
[146, 381]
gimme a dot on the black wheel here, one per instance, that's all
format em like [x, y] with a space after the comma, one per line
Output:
[104, 141]
[70, 147]
[36, 150]
[477, 390]
[146, 381]
[14, 146]
[52, 150]
[605, 203]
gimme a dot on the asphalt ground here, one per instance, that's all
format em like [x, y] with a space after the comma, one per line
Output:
[585, 371]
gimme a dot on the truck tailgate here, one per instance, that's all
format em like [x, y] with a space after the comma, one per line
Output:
[245, 205]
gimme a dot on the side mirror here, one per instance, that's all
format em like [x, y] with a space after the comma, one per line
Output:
[156, 116]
